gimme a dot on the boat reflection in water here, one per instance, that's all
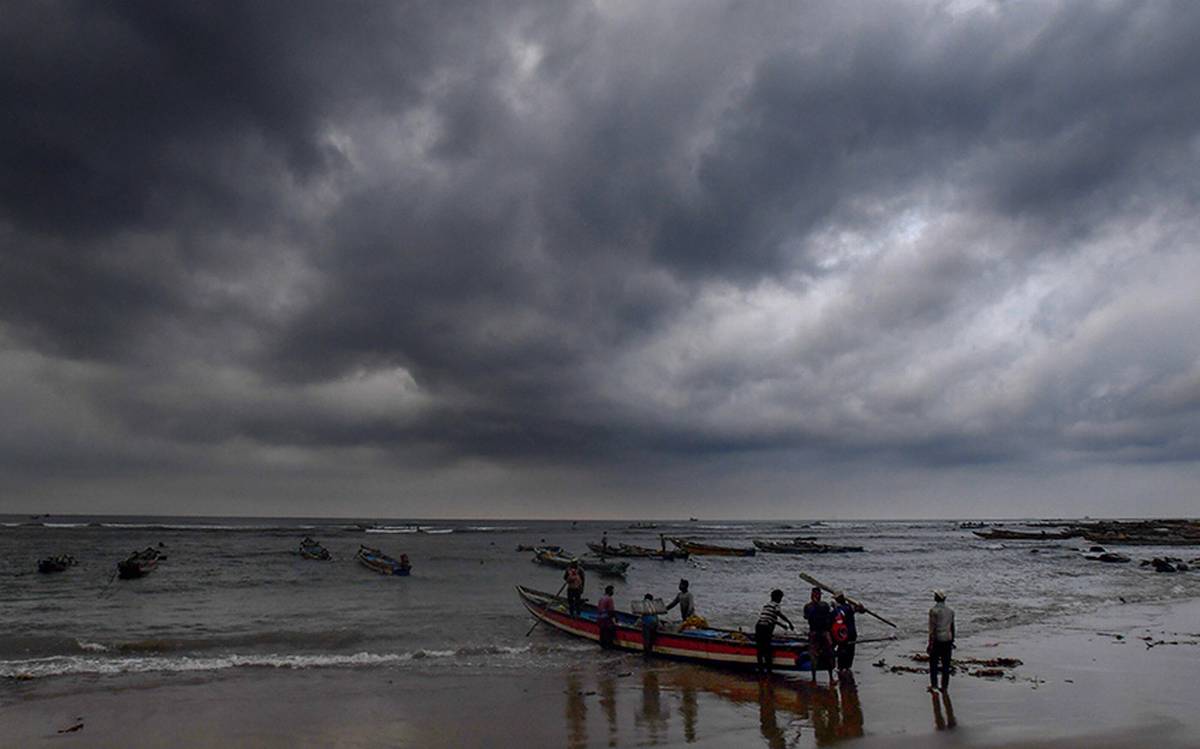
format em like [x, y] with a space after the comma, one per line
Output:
[663, 705]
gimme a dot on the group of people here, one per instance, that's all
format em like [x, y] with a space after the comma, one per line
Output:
[832, 630]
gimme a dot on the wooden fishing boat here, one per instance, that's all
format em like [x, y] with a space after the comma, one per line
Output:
[599, 566]
[538, 547]
[700, 549]
[57, 563]
[139, 564]
[640, 552]
[310, 549]
[802, 547]
[717, 647]
[376, 561]
[1002, 534]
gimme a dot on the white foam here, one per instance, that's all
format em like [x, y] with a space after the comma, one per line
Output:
[91, 647]
[64, 525]
[35, 668]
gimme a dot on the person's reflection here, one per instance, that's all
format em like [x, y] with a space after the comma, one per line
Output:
[851, 724]
[824, 713]
[688, 710]
[607, 686]
[767, 722]
[653, 716]
[948, 721]
[576, 713]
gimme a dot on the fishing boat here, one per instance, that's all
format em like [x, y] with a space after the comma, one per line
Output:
[57, 563]
[537, 547]
[640, 552]
[139, 563]
[699, 549]
[802, 547]
[310, 549]
[1001, 534]
[376, 561]
[717, 647]
[562, 561]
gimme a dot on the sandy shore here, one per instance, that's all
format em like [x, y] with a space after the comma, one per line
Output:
[1090, 683]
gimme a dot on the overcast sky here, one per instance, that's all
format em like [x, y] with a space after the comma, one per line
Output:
[635, 259]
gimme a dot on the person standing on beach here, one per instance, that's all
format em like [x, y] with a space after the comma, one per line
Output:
[941, 640]
[606, 612]
[764, 631]
[649, 624]
[575, 580]
[845, 632]
[683, 599]
[604, 542]
[820, 641]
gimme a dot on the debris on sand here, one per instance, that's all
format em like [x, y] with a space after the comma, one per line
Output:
[72, 729]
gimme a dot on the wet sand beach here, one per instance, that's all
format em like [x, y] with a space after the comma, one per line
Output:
[1093, 682]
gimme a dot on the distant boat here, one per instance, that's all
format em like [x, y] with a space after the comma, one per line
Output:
[57, 563]
[139, 564]
[377, 561]
[642, 552]
[1001, 534]
[802, 547]
[700, 549]
[310, 549]
[562, 561]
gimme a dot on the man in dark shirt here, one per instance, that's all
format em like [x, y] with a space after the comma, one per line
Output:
[820, 644]
[849, 634]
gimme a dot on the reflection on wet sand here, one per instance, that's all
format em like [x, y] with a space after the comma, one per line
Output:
[942, 722]
[791, 713]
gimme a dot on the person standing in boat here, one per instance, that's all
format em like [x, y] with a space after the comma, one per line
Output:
[941, 640]
[649, 624]
[820, 641]
[764, 630]
[574, 578]
[844, 631]
[604, 542]
[683, 599]
[606, 617]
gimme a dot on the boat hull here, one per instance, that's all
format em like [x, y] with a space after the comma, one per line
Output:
[711, 647]
[699, 549]
[377, 561]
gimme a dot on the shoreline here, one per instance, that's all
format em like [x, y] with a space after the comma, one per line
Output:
[1080, 685]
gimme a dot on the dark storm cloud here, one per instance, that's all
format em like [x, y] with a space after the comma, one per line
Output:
[925, 234]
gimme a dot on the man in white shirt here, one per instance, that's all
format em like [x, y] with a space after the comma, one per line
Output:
[941, 640]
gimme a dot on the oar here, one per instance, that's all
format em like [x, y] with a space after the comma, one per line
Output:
[537, 621]
[851, 601]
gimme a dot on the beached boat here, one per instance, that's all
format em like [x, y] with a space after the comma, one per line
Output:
[718, 647]
[376, 561]
[57, 563]
[699, 549]
[139, 564]
[640, 552]
[1001, 534]
[562, 561]
[310, 549]
[538, 547]
[802, 547]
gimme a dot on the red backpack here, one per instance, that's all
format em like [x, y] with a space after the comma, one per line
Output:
[840, 632]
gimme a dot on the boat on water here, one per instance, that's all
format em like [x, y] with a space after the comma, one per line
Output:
[717, 647]
[562, 561]
[139, 563]
[802, 547]
[58, 563]
[640, 552]
[310, 549]
[701, 549]
[1002, 534]
[538, 547]
[376, 561]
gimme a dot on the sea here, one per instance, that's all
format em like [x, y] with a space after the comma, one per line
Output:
[233, 594]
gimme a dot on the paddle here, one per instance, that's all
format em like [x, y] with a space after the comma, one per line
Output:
[851, 601]
[537, 621]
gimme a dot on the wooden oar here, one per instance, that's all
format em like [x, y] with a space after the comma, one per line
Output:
[537, 621]
[849, 600]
